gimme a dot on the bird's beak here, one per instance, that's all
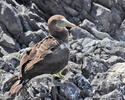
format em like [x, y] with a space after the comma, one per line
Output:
[66, 23]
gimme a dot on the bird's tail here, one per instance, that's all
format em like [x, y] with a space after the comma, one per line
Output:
[13, 85]
[16, 87]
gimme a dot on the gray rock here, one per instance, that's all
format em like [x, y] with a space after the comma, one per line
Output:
[4, 76]
[110, 84]
[7, 41]
[79, 33]
[107, 3]
[70, 11]
[102, 16]
[91, 27]
[31, 36]
[113, 95]
[3, 52]
[106, 20]
[67, 1]
[9, 17]
[50, 6]
[82, 4]
[68, 91]
[7, 66]
[120, 33]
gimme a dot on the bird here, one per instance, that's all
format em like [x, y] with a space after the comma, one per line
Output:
[48, 56]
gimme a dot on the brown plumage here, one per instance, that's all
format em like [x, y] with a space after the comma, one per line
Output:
[48, 56]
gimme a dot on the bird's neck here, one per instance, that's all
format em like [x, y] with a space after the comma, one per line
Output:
[61, 34]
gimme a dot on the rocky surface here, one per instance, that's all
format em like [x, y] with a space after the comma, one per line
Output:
[96, 68]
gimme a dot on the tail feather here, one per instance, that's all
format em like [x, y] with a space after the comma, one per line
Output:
[16, 87]
[7, 85]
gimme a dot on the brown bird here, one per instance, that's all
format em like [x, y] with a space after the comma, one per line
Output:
[48, 56]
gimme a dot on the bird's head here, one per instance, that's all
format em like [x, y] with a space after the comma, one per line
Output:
[59, 21]
[57, 26]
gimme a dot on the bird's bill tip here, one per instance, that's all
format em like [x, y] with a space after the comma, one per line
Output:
[66, 23]
[72, 25]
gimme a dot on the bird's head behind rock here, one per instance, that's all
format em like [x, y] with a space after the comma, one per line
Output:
[57, 26]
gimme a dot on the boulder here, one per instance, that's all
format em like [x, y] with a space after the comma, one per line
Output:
[9, 17]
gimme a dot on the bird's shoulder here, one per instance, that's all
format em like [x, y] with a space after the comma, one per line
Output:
[38, 52]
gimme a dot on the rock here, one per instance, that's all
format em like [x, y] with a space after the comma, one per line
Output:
[113, 95]
[3, 52]
[7, 66]
[4, 76]
[9, 17]
[7, 41]
[96, 55]
[97, 48]
[81, 4]
[89, 26]
[11, 61]
[40, 86]
[111, 83]
[107, 3]
[105, 18]
[79, 33]
[70, 11]
[120, 33]
[102, 16]
[85, 15]
[30, 36]
[67, 1]
[53, 7]
[67, 91]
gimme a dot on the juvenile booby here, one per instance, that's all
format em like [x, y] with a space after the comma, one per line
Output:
[48, 56]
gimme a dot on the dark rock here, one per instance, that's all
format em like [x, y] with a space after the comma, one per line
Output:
[67, 91]
[70, 11]
[107, 3]
[85, 15]
[30, 36]
[9, 17]
[40, 86]
[81, 4]
[67, 1]
[51, 7]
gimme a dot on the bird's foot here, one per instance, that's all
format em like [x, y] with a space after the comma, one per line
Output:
[59, 75]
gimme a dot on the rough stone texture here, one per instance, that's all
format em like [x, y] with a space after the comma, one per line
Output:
[97, 48]
[106, 20]
[9, 17]
[91, 27]
[111, 83]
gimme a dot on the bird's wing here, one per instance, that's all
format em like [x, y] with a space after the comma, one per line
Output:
[37, 53]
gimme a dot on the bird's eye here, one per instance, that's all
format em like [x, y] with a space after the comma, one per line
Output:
[54, 22]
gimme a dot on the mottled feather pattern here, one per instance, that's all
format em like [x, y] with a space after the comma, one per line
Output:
[38, 52]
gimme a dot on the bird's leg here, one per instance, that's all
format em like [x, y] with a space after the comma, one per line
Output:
[59, 75]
